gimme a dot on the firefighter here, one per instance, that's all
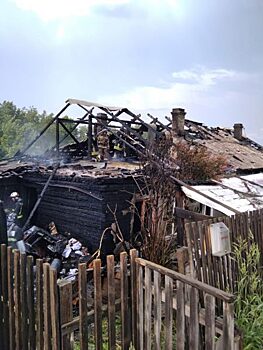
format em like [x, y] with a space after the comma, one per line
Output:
[118, 149]
[14, 220]
[17, 208]
[103, 144]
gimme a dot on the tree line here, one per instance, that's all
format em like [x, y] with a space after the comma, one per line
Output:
[18, 126]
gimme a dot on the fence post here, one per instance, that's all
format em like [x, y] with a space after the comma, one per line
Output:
[39, 305]
[46, 306]
[140, 307]
[124, 302]
[54, 303]
[133, 256]
[83, 310]
[148, 307]
[10, 277]
[23, 300]
[31, 303]
[228, 328]
[180, 316]
[168, 313]
[1, 304]
[157, 310]
[4, 298]
[65, 306]
[182, 259]
[209, 322]
[98, 304]
[194, 322]
[17, 299]
[111, 302]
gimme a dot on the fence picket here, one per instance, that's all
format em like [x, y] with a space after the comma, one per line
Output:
[140, 307]
[23, 300]
[46, 306]
[55, 321]
[98, 304]
[194, 324]
[10, 279]
[157, 310]
[39, 305]
[17, 300]
[168, 313]
[125, 318]
[83, 321]
[65, 298]
[1, 304]
[148, 308]
[228, 322]
[111, 302]
[180, 316]
[133, 256]
[209, 322]
[4, 299]
[31, 304]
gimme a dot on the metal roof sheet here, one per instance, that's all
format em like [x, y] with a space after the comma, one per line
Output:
[239, 193]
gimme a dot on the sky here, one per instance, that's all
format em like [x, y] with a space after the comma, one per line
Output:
[205, 56]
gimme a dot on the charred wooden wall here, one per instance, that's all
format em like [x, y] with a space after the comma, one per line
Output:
[79, 214]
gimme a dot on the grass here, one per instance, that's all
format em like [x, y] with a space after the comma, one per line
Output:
[91, 344]
[249, 301]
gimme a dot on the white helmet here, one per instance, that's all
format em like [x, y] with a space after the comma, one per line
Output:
[14, 194]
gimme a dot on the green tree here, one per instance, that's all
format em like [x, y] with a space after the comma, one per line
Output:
[18, 126]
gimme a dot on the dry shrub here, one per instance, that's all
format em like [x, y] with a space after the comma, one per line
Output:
[190, 163]
[156, 216]
[196, 163]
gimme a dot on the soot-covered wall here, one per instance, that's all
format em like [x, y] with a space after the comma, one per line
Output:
[80, 214]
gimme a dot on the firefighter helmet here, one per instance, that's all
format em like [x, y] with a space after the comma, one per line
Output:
[14, 194]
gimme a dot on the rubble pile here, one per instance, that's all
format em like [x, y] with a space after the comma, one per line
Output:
[64, 253]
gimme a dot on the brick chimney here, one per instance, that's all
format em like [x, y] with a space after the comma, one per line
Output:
[238, 131]
[178, 118]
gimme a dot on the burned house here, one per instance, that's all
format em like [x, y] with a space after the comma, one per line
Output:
[85, 198]
[240, 188]
[67, 186]
[79, 200]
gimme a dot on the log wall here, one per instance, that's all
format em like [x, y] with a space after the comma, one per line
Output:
[80, 214]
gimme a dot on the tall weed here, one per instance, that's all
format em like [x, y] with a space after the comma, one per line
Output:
[249, 301]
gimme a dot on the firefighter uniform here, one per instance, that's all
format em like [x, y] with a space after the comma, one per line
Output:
[118, 149]
[15, 220]
[103, 144]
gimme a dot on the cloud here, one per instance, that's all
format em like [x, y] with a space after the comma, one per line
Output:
[60, 9]
[187, 87]
[204, 77]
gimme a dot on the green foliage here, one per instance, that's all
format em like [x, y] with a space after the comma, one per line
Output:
[20, 126]
[249, 301]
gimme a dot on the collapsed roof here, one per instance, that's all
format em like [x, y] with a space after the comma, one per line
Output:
[241, 154]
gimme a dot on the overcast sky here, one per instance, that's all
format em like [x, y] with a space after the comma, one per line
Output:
[150, 55]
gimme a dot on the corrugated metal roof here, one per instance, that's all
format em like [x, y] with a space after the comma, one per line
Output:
[239, 193]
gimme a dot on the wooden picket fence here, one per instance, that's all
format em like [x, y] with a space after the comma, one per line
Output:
[140, 306]
[222, 272]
